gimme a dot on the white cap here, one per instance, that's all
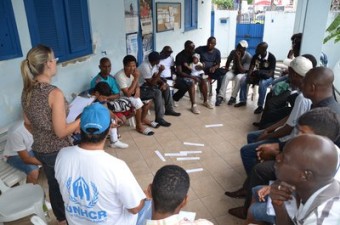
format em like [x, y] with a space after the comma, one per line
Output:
[196, 55]
[300, 65]
[244, 43]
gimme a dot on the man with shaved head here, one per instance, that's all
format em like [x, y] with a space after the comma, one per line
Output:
[307, 167]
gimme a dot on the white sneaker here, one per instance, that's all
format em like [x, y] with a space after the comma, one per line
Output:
[194, 109]
[208, 105]
[118, 144]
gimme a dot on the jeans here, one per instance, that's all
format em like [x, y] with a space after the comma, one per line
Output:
[248, 151]
[263, 85]
[48, 162]
[183, 85]
[154, 93]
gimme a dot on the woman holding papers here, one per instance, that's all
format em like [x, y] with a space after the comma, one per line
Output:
[45, 108]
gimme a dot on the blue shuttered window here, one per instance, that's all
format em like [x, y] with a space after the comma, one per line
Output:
[190, 14]
[61, 24]
[9, 39]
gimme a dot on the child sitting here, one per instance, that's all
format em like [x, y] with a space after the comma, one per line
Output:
[196, 63]
[120, 109]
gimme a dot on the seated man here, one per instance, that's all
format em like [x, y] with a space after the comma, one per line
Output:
[184, 79]
[96, 187]
[169, 192]
[307, 166]
[241, 61]
[261, 72]
[211, 59]
[127, 79]
[167, 60]
[153, 86]
[105, 76]
[18, 151]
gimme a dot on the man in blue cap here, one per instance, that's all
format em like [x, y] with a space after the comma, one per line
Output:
[97, 188]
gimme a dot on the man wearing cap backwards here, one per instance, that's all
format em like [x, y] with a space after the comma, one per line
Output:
[151, 83]
[261, 72]
[277, 133]
[96, 187]
[241, 61]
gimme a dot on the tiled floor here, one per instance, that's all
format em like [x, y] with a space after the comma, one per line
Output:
[220, 157]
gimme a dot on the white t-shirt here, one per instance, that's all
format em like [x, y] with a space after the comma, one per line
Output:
[123, 80]
[194, 71]
[167, 63]
[96, 187]
[146, 72]
[18, 139]
[301, 106]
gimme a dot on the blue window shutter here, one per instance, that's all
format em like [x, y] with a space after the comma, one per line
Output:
[9, 38]
[194, 9]
[78, 26]
[187, 15]
[44, 21]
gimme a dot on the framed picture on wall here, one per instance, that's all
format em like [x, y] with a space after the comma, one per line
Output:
[168, 16]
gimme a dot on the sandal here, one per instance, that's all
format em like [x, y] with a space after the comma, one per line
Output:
[154, 124]
[147, 131]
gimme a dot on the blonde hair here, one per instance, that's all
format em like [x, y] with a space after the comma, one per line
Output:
[32, 66]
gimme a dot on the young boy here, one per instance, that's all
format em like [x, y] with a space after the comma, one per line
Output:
[193, 66]
[102, 92]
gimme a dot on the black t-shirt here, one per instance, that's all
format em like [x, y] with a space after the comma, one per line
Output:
[209, 58]
[182, 58]
[266, 63]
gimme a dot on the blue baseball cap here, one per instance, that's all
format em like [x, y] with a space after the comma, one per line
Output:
[95, 116]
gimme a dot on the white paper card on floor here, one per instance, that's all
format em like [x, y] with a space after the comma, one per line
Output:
[214, 125]
[187, 158]
[193, 144]
[160, 155]
[194, 170]
[191, 152]
[175, 154]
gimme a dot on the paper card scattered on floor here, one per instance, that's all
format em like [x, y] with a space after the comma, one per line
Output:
[176, 154]
[185, 215]
[214, 125]
[160, 155]
[194, 144]
[190, 152]
[187, 158]
[194, 170]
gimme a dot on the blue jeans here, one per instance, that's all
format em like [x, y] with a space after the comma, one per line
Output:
[248, 151]
[17, 162]
[48, 162]
[259, 209]
[263, 85]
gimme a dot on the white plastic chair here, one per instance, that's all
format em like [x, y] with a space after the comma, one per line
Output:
[21, 201]
[10, 175]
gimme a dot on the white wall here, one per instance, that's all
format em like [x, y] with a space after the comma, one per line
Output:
[225, 33]
[278, 28]
[176, 38]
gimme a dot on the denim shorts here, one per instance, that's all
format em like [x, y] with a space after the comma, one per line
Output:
[259, 209]
[17, 162]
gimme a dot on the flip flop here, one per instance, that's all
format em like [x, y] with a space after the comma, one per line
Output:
[154, 124]
[147, 131]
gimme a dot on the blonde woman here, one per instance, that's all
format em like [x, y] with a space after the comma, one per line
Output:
[45, 108]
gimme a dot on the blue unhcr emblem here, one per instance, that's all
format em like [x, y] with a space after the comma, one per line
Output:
[81, 193]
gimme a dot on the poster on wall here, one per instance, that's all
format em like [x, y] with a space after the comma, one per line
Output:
[131, 16]
[147, 44]
[168, 16]
[132, 44]
[145, 10]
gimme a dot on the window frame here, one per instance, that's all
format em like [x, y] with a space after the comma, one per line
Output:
[190, 15]
[67, 31]
[13, 35]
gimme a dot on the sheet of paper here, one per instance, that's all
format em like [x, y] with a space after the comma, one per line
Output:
[187, 215]
[187, 158]
[194, 170]
[77, 106]
[214, 125]
[160, 155]
[176, 154]
[193, 144]
[190, 152]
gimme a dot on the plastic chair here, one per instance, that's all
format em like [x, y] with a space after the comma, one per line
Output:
[10, 175]
[21, 201]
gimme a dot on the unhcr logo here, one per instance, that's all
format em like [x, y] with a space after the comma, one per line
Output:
[85, 197]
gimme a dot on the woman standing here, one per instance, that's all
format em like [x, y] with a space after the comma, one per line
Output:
[45, 108]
